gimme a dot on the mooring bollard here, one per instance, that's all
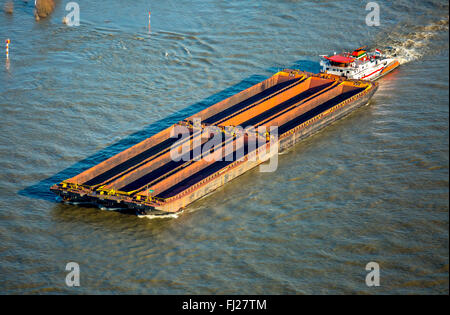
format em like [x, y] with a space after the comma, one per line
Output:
[8, 41]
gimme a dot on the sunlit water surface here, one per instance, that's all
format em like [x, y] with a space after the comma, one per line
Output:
[371, 187]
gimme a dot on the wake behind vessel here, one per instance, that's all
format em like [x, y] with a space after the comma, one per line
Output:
[148, 179]
[359, 64]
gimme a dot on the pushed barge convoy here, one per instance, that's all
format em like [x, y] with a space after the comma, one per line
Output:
[147, 177]
[359, 64]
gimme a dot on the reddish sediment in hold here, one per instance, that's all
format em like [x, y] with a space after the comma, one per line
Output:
[148, 179]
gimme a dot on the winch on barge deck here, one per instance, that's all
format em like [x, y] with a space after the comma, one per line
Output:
[148, 179]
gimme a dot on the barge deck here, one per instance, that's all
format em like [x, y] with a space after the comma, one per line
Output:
[192, 158]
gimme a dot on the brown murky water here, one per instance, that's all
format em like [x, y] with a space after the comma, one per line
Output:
[372, 187]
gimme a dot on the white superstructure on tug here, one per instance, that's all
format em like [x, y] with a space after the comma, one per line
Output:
[359, 64]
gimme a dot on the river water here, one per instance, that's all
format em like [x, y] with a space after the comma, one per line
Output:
[372, 187]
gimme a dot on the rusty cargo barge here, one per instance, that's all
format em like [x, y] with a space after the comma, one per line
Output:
[147, 178]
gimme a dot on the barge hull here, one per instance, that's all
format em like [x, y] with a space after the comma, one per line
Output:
[286, 141]
[298, 103]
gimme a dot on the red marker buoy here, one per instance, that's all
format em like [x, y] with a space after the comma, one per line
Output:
[8, 41]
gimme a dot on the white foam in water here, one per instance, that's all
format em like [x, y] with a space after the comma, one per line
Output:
[412, 46]
[160, 216]
[109, 208]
